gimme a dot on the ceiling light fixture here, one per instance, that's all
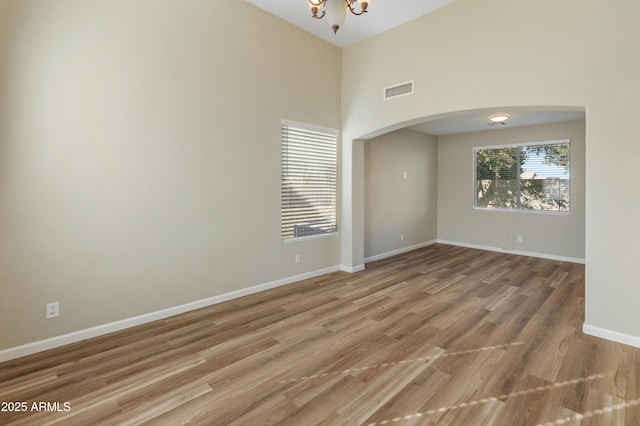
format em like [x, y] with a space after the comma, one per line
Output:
[336, 10]
[498, 119]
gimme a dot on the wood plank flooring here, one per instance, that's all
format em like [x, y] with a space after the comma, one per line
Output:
[439, 336]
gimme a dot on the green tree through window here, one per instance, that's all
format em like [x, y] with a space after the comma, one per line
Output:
[524, 177]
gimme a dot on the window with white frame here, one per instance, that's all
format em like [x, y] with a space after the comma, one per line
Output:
[529, 177]
[308, 181]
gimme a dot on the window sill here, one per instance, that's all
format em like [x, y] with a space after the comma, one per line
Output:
[309, 237]
[538, 212]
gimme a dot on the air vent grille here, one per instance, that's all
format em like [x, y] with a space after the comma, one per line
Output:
[396, 90]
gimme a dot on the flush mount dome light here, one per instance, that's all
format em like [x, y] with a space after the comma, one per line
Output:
[499, 118]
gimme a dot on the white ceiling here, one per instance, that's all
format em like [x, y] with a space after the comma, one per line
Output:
[477, 121]
[381, 16]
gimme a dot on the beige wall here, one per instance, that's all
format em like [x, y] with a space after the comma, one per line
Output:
[140, 155]
[396, 205]
[139, 141]
[498, 54]
[544, 234]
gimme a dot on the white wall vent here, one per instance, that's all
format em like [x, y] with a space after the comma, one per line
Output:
[396, 90]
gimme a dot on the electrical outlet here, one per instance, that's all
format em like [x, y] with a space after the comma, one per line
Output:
[53, 310]
[519, 239]
[298, 259]
[401, 237]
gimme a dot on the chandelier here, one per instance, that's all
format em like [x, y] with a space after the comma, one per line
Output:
[336, 10]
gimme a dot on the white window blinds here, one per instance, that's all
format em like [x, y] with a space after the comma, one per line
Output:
[308, 181]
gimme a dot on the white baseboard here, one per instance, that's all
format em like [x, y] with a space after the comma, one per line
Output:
[352, 269]
[516, 252]
[614, 336]
[77, 336]
[398, 251]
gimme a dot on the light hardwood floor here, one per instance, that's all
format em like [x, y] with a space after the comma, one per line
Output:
[439, 336]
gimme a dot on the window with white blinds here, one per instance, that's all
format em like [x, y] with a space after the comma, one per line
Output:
[308, 181]
[530, 177]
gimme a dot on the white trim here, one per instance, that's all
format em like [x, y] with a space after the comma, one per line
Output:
[523, 211]
[312, 127]
[516, 252]
[352, 269]
[308, 237]
[517, 145]
[77, 336]
[398, 251]
[614, 336]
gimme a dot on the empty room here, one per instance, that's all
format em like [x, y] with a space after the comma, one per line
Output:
[306, 212]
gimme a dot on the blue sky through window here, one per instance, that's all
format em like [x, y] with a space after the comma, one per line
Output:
[535, 164]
